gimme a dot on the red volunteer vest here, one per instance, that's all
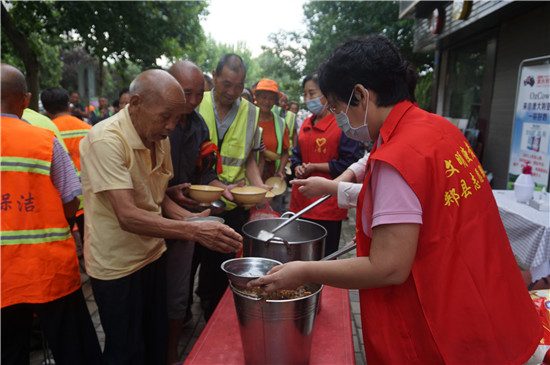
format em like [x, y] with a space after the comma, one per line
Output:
[39, 262]
[319, 143]
[464, 301]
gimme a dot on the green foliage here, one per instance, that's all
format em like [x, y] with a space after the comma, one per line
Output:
[333, 22]
[140, 31]
[423, 91]
[283, 62]
[119, 32]
[208, 55]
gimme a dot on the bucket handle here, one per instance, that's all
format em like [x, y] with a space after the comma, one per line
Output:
[290, 214]
[278, 240]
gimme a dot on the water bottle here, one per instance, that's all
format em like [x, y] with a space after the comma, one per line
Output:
[524, 185]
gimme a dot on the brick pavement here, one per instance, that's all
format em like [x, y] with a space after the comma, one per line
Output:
[192, 331]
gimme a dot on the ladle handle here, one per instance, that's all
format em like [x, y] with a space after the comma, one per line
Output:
[301, 212]
[340, 252]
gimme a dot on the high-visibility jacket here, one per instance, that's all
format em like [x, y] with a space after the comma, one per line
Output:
[72, 131]
[39, 262]
[280, 126]
[238, 141]
[290, 121]
[464, 301]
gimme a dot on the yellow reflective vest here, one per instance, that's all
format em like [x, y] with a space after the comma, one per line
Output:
[238, 142]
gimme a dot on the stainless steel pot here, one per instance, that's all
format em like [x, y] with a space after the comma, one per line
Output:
[300, 240]
[277, 332]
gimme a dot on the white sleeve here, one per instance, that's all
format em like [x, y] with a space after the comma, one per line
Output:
[359, 168]
[347, 194]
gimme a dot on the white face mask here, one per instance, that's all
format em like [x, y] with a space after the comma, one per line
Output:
[315, 106]
[360, 133]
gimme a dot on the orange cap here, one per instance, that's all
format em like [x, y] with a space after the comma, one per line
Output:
[267, 85]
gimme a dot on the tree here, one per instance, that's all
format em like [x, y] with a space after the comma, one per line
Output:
[333, 22]
[283, 62]
[136, 31]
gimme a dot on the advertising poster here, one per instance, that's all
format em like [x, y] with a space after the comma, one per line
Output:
[531, 131]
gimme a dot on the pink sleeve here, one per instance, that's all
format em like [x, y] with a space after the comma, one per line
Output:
[393, 199]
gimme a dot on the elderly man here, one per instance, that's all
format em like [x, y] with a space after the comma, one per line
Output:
[78, 110]
[40, 272]
[126, 166]
[233, 126]
[102, 112]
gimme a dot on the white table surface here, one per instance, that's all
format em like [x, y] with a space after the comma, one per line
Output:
[528, 230]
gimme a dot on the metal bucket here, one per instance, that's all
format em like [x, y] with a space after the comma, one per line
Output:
[300, 240]
[277, 331]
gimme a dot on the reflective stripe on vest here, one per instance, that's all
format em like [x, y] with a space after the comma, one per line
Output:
[75, 133]
[290, 119]
[34, 236]
[22, 164]
[280, 124]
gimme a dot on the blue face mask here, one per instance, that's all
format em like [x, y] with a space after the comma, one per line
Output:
[315, 106]
[360, 133]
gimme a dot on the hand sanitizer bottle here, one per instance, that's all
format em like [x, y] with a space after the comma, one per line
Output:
[524, 185]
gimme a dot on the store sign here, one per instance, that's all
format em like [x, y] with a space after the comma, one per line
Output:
[461, 9]
[531, 131]
[436, 21]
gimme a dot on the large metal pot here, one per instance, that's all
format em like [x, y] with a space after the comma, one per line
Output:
[300, 240]
[277, 332]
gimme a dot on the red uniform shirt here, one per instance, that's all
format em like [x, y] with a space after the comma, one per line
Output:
[319, 143]
[464, 301]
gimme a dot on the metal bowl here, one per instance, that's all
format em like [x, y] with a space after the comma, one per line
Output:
[243, 269]
[210, 218]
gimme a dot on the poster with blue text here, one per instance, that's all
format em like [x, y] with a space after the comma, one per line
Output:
[531, 131]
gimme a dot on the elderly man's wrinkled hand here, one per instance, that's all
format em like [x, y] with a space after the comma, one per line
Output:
[178, 194]
[219, 237]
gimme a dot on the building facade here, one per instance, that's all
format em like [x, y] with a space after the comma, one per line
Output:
[478, 49]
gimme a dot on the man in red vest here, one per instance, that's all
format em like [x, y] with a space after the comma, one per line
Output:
[56, 102]
[40, 272]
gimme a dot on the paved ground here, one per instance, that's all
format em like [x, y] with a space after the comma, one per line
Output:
[192, 331]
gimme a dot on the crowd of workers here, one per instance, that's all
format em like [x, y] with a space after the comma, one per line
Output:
[418, 229]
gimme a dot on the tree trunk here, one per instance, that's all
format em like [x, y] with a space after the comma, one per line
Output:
[100, 81]
[27, 55]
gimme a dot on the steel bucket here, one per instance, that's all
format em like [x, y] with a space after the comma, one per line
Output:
[277, 331]
[300, 240]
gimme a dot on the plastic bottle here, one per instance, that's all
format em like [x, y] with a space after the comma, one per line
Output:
[524, 185]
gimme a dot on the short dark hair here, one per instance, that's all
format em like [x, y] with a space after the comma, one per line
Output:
[125, 90]
[55, 100]
[372, 61]
[234, 62]
[313, 77]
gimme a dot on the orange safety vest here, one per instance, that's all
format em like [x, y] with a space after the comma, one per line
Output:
[38, 255]
[464, 301]
[72, 131]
